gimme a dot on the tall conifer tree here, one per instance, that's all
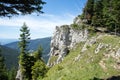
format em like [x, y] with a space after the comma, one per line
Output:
[24, 40]
[88, 10]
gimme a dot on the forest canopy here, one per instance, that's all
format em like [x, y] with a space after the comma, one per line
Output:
[103, 13]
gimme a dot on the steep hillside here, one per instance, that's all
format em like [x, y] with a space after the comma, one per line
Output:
[34, 44]
[83, 52]
[97, 58]
[11, 56]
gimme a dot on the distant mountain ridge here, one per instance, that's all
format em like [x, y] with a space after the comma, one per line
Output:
[11, 51]
[34, 44]
[10, 55]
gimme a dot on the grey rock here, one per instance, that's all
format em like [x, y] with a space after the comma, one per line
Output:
[100, 46]
[118, 53]
[19, 74]
[64, 39]
[77, 58]
[77, 20]
[88, 43]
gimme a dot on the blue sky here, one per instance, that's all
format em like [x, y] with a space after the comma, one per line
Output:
[56, 13]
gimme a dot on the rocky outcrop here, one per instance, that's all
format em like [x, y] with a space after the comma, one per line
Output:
[118, 52]
[19, 74]
[100, 46]
[65, 38]
[88, 43]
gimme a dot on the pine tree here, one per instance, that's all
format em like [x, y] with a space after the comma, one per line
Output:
[12, 73]
[39, 69]
[108, 15]
[111, 14]
[9, 8]
[97, 19]
[24, 58]
[116, 15]
[38, 53]
[103, 13]
[88, 10]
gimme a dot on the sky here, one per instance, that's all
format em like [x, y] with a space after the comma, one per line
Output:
[56, 13]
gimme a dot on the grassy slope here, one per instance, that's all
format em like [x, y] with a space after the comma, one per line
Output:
[88, 66]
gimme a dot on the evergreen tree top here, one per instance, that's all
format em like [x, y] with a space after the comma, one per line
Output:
[8, 8]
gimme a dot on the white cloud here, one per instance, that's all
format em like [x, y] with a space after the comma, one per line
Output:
[37, 21]
[9, 36]
[43, 24]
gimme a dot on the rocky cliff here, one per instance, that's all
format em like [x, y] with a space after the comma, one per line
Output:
[65, 38]
[96, 58]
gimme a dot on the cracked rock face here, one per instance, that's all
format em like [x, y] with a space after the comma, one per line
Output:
[64, 39]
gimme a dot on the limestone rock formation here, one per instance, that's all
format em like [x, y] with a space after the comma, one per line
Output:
[19, 74]
[65, 38]
[118, 52]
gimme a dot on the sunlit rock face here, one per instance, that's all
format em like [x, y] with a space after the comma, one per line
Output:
[19, 74]
[65, 38]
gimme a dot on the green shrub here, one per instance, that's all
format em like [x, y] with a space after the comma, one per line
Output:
[39, 70]
[59, 68]
[79, 26]
[88, 46]
[12, 73]
[53, 59]
[75, 26]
